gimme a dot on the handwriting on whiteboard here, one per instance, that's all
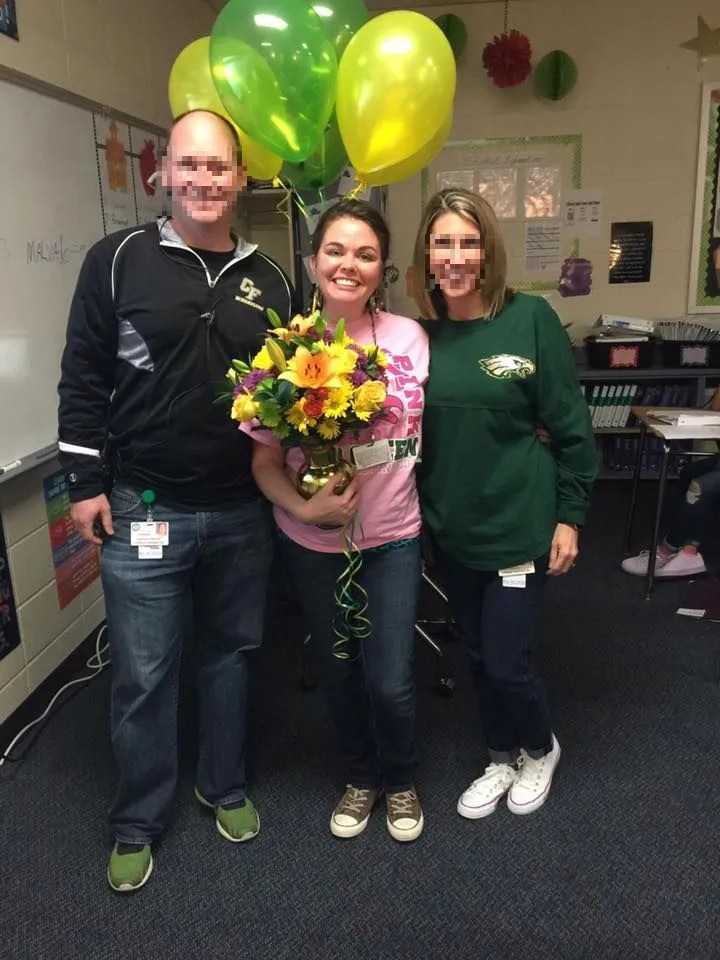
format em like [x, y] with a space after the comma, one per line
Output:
[56, 250]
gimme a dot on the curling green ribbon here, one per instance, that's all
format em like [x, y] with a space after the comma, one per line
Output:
[350, 623]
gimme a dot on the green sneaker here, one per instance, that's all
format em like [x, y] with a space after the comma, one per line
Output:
[129, 867]
[237, 822]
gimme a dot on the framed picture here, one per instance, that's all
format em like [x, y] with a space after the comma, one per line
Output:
[8, 19]
[704, 294]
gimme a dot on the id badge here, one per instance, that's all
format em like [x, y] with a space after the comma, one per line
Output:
[150, 553]
[521, 568]
[149, 533]
[371, 454]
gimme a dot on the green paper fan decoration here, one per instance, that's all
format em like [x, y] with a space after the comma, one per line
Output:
[555, 75]
[455, 32]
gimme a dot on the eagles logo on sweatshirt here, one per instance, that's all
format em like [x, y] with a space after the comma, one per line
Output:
[504, 366]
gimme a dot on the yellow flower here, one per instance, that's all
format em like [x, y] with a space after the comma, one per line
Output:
[375, 354]
[244, 408]
[312, 370]
[297, 418]
[346, 360]
[276, 354]
[297, 327]
[368, 399]
[338, 400]
[328, 429]
[262, 360]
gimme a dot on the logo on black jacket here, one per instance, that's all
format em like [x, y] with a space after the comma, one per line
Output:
[249, 293]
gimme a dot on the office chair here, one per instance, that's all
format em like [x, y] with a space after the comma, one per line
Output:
[444, 683]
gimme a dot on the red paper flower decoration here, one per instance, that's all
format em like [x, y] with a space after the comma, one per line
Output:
[507, 59]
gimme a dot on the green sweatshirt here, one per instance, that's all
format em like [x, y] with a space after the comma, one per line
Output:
[492, 492]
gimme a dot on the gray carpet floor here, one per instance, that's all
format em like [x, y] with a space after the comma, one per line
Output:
[622, 862]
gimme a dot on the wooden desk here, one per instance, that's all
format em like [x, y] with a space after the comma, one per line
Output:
[669, 434]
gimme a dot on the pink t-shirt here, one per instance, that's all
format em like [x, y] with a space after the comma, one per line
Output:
[388, 501]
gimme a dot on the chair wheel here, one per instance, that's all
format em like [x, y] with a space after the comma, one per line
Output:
[445, 686]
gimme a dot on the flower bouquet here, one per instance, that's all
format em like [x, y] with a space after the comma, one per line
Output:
[311, 386]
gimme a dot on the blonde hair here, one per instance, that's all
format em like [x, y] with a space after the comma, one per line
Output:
[478, 211]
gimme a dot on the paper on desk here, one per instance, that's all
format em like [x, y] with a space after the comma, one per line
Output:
[687, 418]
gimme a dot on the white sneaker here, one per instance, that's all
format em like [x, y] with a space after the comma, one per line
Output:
[483, 794]
[681, 564]
[531, 789]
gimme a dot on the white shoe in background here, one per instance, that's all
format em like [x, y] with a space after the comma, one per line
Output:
[681, 564]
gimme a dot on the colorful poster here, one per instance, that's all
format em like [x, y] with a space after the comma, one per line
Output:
[76, 562]
[9, 633]
[704, 295]
[8, 23]
[112, 144]
[146, 151]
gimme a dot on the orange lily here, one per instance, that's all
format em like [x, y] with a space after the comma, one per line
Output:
[313, 370]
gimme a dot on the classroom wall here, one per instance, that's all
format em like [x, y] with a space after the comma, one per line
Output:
[636, 105]
[120, 54]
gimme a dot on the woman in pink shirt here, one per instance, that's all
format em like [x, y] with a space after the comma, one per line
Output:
[372, 695]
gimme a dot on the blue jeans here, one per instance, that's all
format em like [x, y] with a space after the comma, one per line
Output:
[498, 625]
[371, 697]
[213, 578]
[698, 513]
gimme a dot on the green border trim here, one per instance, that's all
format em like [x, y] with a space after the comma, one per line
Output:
[708, 209]
[573, 140]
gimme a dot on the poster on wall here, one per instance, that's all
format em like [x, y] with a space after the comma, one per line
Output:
[9, 633]
[146, 150]
[631, 244]
[112, 143]
[8, 19]
[704, 294]
[76, 562]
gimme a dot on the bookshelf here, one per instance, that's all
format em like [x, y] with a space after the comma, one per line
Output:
[655, 386]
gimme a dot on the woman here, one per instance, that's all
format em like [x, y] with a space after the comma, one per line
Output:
[503, 508]
[372, 695]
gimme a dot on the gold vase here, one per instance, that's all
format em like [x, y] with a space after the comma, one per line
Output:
[322, 461]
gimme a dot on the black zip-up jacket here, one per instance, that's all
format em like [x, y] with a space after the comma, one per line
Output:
[150, 337]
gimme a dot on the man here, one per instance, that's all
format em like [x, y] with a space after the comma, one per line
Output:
[158, 314]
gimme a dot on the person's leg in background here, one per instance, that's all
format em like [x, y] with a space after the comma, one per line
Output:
[390, 576]
[229, 594]
[678, 554]
[314, 580]
[147, 613]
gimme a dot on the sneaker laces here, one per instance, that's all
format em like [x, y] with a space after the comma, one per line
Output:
[495, 773]
[355, 800]
[402, 804]
[531, 770]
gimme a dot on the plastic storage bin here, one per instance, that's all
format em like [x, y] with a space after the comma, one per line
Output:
[690, 353]
[618, 353]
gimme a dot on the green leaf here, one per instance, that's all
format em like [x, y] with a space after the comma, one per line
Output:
[283, 391]
[339, 330]
[241, 367]
[274, 318]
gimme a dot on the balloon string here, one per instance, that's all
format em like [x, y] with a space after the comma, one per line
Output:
[360, 187]
[507, 5]
[350, 624]
[284, 202]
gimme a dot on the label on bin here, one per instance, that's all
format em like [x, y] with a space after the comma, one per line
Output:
[627, 355]
[695, 356]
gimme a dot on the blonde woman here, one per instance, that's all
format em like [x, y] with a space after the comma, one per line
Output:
[503, 508]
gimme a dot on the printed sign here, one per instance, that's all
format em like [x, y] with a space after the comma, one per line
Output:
[76, 562]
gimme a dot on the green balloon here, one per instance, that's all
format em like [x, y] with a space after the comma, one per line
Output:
[555, 75]
[341, 19]
[274, 68]
[323, 166]
[455, 32]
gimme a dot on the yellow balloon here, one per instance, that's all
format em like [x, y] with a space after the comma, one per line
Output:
[396, 83]
[191, 87]
[414, 164]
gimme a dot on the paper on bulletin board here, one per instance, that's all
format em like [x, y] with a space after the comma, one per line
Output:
[112, 143]
[542, 246]
[76, 562]
[582, 212]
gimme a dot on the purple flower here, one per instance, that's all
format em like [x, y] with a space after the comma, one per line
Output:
[251, 381]
[358, 377]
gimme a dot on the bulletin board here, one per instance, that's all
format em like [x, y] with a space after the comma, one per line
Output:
[704, 293]
[525, 180]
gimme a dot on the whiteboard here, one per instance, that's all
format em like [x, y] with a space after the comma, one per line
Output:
[54, 205]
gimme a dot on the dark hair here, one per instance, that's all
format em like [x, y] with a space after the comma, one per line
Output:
[356, 210]
[233, 132]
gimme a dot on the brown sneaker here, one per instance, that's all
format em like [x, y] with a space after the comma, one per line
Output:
[404, 815]
[351, 815]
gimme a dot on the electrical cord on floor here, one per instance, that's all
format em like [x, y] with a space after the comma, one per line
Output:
[97, 663]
